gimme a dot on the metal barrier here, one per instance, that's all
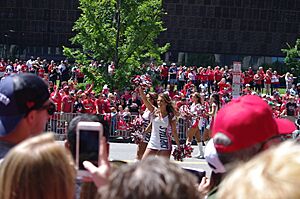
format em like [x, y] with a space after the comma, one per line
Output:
[58, 123]
[118, 124]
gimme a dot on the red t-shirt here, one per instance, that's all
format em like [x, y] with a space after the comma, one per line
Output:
[211, 75]
[198, 77]
[247, 79]
[102, 106]
[41, 72]
[164, 72]
[68, 104]
[251, 73]
[79, 74]
[126, 97]
[257, 79]
[24, 68]
[222, 86]
[267, 79]
[89, 106]
[2, 68]
[218, 75]
[50, 67]
[57, 100]
[203, 76]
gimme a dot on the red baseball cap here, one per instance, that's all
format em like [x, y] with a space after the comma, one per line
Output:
[285, 126]
[246, 121]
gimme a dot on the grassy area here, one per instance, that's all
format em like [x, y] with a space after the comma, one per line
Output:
[282, 90]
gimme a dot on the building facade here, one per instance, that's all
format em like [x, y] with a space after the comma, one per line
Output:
[253, 30]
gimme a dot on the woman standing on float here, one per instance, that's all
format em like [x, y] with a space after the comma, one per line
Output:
[162, 117]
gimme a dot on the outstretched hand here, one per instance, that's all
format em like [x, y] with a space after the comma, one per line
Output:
[101, 173]
[203, 187]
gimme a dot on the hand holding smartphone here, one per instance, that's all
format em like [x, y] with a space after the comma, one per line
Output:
[88, 136]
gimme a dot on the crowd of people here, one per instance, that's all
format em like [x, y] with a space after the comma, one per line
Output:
[241, 131]
[181, 82]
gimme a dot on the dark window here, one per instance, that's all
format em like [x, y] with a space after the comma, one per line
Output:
[218, 12]
[179, 9]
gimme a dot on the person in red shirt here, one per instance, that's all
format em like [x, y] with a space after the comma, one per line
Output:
[211, 77]
[247, 90]
[126, 96]
[164, 73]
[251, 76]
[101, 106]
[24, 67]
[268, 78]
[88, 104]
[257, 82]
[203, 76]
[247, 79]
[222, 85]
[67, 102]
[79, 75]
[180, 101]
[2, 69]
[218, 76]
[51, 66]
[41, 72]
[56, 98]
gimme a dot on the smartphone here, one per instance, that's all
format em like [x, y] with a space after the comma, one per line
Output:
[88, 136]
[198, 173]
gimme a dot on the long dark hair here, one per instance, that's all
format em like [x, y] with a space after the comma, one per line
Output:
[153, 98]
[198, 97]
[171, 110]
[216, 99]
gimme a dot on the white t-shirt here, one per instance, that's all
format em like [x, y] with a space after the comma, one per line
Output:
[160, 136]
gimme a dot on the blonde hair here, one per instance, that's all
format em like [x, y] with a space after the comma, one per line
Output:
[37, 168]
[272, 174]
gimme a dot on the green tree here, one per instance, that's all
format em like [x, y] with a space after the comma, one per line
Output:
[123, 31]
[292, 55]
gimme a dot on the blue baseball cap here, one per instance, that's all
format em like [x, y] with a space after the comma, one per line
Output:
[19, 94]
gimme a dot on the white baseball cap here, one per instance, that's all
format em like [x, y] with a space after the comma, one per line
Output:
[212, 158]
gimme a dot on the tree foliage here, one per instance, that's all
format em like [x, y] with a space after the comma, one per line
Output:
[292, 55]
[123, 31]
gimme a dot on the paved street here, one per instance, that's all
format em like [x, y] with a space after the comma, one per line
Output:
[126, 152]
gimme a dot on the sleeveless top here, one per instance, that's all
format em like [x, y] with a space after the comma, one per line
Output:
[160, 136]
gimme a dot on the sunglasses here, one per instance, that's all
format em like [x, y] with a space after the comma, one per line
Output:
[51, 108]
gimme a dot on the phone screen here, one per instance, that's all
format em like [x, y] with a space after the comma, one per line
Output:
[88, 147]
[198, 174]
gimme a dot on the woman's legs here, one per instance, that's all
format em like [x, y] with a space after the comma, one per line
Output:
[191, 132]
[199, 143]
[195, 132]
[149, 152]
[141, 148]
